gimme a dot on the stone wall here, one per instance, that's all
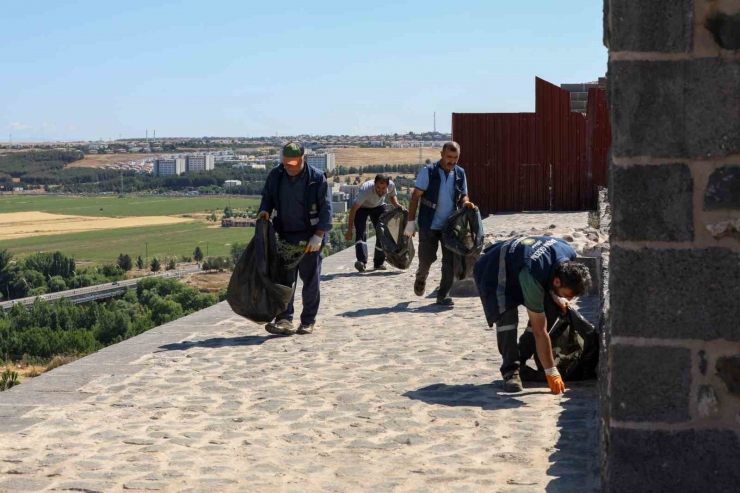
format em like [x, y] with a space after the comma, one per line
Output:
[671, 403]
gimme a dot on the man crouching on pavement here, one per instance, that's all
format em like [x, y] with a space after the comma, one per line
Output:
[441, 188]
[523, 271]
[370, 203]
[300, 195]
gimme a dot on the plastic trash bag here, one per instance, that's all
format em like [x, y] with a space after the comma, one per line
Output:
[398, 248]
[575, 345]
[462, 234]
[255, 291]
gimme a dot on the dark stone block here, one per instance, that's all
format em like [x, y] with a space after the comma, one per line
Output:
[681, 294]
[680, 461]
[680, 109]
[723, 189]
[647, 106]
[661, 397]
[653, 203]
[728, 369]
[657, 25]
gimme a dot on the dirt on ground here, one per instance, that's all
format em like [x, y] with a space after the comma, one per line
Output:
[23, 224]
[208, 282]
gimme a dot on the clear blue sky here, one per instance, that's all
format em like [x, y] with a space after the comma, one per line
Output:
[96, 69]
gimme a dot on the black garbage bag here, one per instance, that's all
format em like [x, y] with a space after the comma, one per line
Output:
[398, 248]
[254, 290]
[462, 234]
[575, 345]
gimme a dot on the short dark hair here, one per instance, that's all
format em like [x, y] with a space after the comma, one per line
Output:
[574, 276]
[451, 145]
[384, 178]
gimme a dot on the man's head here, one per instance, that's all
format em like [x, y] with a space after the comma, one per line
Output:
[293, 158]
[381, 184]
[571, 280]
[450, 154]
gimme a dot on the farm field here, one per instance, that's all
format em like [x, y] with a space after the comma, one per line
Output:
[361, 156]
[128, 234]
[113, 206]
[104, 246]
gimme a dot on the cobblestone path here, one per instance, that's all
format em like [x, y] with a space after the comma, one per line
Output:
[391, 393]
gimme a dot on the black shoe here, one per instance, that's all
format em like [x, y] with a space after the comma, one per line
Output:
[445, 301]
[419, 287]
[512, 382]
[359, 266]
[381, 267]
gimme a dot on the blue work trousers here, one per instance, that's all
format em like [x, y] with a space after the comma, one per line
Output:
[309, 270]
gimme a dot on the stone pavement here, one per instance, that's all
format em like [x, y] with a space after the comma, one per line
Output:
[391, 393]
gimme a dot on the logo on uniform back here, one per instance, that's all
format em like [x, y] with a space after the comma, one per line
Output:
[313, 207]
[528, 241]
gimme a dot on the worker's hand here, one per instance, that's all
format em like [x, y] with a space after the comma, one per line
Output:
[263, 215]
[400, 206]
[561, 303]
[348, 235]
[410, 229]
[554, 380]
[314, 244]
[469, 205]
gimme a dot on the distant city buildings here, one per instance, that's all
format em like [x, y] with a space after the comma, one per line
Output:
[200, 162]
[339, 200]
[169, 166]
[229, 184]
[324, 162]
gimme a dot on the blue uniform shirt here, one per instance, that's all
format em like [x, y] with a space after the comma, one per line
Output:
[446, 199]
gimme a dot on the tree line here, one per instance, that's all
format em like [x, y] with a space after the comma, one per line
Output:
[44, 330]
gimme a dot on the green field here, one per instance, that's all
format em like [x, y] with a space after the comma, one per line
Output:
[120, 207]
[104, 246]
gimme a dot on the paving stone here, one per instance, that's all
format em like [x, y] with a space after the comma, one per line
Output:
[22, 484]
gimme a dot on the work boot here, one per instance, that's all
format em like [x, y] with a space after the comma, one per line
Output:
[419, 286]
[381, 267]
[360, 266]
[305, 328]
[512, 381]
[447, 301]
[282, 327]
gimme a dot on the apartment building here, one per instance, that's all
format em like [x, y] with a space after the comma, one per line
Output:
[169, 166]
[324, 162]
[197, 163]
[229, 184]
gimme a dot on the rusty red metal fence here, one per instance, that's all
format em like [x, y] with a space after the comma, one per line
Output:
[552, 159]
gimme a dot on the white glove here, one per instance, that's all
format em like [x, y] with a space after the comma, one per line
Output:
[314, 244]
[410, 229]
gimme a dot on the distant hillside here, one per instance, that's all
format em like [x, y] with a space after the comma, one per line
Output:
[363, 156]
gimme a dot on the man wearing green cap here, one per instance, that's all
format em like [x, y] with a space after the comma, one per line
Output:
[301, 198]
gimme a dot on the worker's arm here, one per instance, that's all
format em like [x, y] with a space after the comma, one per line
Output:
[534, 301]
[395, 203]
[412, 211]
[351, 221]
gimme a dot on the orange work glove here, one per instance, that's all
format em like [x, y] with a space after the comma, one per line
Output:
[469, 205]
[554, 380]
[263, 215]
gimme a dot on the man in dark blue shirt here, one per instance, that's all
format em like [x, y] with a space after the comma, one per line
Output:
[301, 198]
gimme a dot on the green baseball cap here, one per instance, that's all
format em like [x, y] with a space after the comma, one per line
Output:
[291, 149]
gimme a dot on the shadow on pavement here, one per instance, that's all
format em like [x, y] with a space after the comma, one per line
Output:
[372, 273]
[402, 307]
[217, 342]
[486, 396]
[575, 460]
